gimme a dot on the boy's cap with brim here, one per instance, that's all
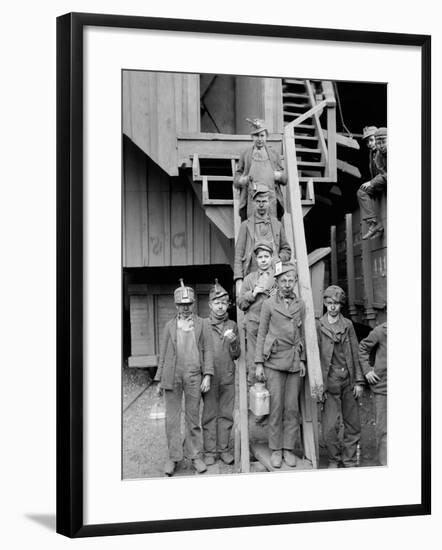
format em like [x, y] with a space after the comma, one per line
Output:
[381, 132]
[184, 294]
[263, 245]
[258, 125]
[260, 189]
[336, 293]
[368, 131]
[217, 291]
[284, 268]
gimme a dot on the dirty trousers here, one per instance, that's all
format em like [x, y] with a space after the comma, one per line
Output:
[284, 388]
[252, 335]
[217, 418]
[367, 203]
[343, 403]
[381, 427]
[187, 381]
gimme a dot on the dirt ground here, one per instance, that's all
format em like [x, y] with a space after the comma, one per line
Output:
[144, 437]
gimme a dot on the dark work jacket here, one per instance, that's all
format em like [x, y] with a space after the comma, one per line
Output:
[251, 305]
[379, 170]
[351, 350]
[168, 353]
[280, 343]
[246, 242]
[224, 352]
[376, 341]
[243, 169]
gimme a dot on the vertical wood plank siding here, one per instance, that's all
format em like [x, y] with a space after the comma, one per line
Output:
[157, 107]
[164, 222]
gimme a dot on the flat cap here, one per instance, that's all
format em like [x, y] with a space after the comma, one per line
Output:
[368, 131]
[184, 294]
[381, 132]
[263, 245]
[260, 189]
[217, 291]
[257, 124]
[281, 268]
[336, 293]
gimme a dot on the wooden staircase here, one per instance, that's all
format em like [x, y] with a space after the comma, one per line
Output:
[309, 152]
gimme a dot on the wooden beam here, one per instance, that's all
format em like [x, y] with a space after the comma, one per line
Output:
[294, 195]
[350, 265]
[345, 141]
[370, 313]
[348, 168]
[334, 256]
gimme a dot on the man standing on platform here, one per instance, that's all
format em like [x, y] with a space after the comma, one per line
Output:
[260, 163]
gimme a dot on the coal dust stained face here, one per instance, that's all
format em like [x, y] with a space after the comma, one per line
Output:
[333, 307]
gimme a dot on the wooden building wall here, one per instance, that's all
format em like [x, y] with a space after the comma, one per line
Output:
[163, 222]
[158, 106]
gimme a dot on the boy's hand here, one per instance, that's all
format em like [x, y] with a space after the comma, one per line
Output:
[205, 384]
[372, 377]
[258, 290]
[366, 185]
[230, 335]
[277, 175]
[243, 180]
[357, 391]
[302, 369]
[158, 390]
[259, 373]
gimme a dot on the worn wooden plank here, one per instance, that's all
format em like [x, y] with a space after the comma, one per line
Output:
[158, 217]
[344, 140]
[127, 99]
[178, 225]
[348, 168]
[143, 361]
[350, 265]
[273, 105]
[134, 200]
[334, 255]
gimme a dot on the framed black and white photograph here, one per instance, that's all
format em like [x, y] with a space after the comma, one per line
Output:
[228, 256]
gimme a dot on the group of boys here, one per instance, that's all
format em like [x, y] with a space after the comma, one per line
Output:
[197, 357]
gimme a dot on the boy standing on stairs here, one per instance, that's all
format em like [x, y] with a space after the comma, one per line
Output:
[260, 163]
[343, 380]
[256, 288]
[261, 227]
[185, 367]
[217, 417]
[280, 360]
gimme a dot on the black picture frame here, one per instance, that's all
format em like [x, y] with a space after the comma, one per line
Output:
[70, 272]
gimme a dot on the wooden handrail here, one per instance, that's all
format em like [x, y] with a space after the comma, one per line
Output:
[305, 291]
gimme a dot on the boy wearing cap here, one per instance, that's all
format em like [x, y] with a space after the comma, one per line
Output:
[260, 163]
[280, 360]
[368, 136]
[217, 418]
[256, 288]
[376, 375]
[371, 189]
[185, 367]
[343, 379]
[261, 227]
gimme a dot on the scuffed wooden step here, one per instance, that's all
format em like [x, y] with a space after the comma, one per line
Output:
[294, 81]
[294, 95]
[296, 105]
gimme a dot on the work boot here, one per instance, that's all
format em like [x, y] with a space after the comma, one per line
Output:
[227, 457]
[289, 458]
[169, 467]
[199, 465]
[374, 228]
[276, 459]
[333, 464]
[209, 459]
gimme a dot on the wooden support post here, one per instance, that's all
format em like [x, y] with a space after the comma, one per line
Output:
[370, 313]
[334, 256]
[314, 373]
[350, 265]
[242, 417]
[331, 169]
